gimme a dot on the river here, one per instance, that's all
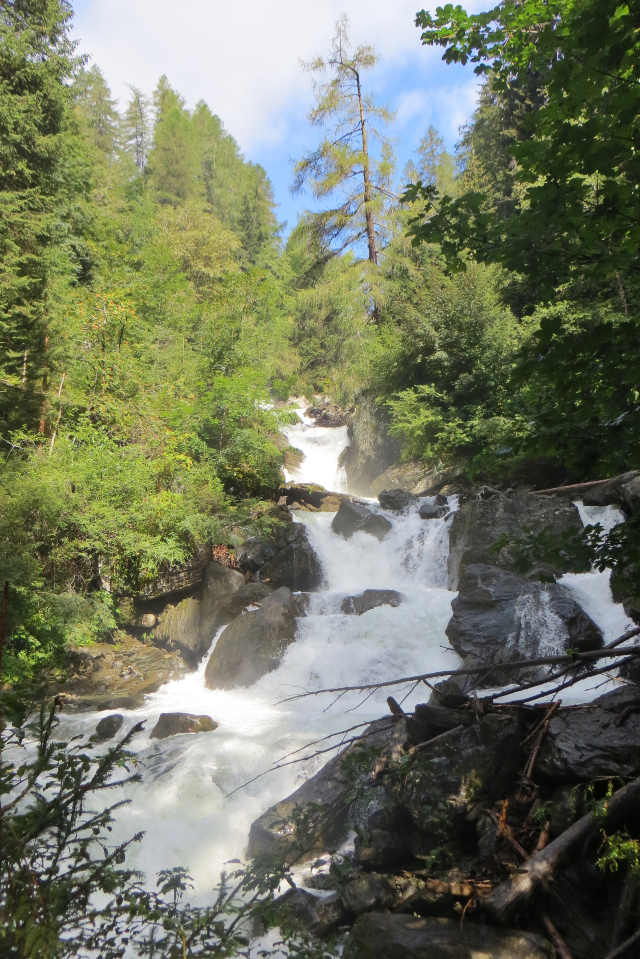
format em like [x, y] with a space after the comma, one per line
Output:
[183, 803]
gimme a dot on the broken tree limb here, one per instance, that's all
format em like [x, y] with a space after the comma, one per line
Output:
[623, 948]
[544, 866]
[556, 938]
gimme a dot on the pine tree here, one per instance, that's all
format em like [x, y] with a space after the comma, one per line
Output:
[342, 163]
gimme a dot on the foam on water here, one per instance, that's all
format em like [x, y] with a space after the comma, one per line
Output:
[183, 803]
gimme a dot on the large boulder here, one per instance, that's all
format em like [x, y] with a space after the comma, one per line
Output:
[284, 557]
[175, 724]
[253, 644]
[108, 727]
[397, 500]
[296, 566]
[329, 415]
[190, 625]
[371, 450]
[453, 774]
[501, 617]
[596, 741]
[622, 491]
[478, 524]
[370, 599]
[314, 817]
[357, 518]
[379, 935]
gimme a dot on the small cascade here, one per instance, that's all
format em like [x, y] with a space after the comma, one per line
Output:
[187, 803]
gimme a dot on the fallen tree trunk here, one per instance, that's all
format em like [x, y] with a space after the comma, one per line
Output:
[545, 865]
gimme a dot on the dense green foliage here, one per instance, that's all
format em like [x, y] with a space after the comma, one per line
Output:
[143, 320]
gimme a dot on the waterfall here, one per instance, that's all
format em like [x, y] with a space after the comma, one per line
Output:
[183, 802]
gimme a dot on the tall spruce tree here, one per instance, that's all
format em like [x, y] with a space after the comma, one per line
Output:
[174, 161]
[37, 167]
[136, 128]
[343, 163]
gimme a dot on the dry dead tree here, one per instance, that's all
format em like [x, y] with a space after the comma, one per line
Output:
[542, 868]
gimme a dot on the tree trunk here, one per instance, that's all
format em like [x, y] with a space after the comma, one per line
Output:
[45, 386]
[368, 211]
[539, 871]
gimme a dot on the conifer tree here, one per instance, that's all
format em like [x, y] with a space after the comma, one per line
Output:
[98, 110]
[343, 163]
[136, 127]
[174, 161]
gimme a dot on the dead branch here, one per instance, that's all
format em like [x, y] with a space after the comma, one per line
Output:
[556, 939]
[623, 949]
[542, 868]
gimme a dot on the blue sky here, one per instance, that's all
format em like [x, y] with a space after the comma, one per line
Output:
[243, 60]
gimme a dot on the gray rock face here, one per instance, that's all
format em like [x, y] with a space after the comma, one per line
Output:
[296, 566]
[174, 724]
[318, 805]
[329, 415]
[189, 626]
[396, 500]
[502, 617]
[459, 769]
[109, 726]
[622, 491]
[174, 579]
[585, 744]
[370, 599]
[371, 450]
[253, 644]
[356, 518]
[480, 523]
[387, 936]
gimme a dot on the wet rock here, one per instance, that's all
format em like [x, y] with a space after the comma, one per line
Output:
[253, 644]
[584, 744]
[414, 478]
[110, 677]
[387, 936]
[329, 415]
[250, 594]
[622, 491]
[501, 617]
[397, 500]
[355, 518]
[314, 817]
[293, 457]
[457, 771]
[313, 497]
[174, 724]
[320, 915]
[370, 599]
[433, 510]
[480, 523]
[258, 550]
[296, 566]
[179, 627]
[404, 892]
[109, 726]
[381, 848]
[371, 450]
[430, 720]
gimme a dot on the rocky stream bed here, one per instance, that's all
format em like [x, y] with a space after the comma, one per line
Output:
[450, 821]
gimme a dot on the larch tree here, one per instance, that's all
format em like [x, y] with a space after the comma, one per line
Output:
[342, 164]
[136, 127]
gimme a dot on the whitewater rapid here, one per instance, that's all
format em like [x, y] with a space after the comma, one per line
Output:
[184, 804]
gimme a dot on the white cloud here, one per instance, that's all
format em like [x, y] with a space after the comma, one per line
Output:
[242, 58]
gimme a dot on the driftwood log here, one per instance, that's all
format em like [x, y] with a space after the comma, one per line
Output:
[542, 868]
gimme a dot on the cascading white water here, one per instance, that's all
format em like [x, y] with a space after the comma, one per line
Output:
[183, 803]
